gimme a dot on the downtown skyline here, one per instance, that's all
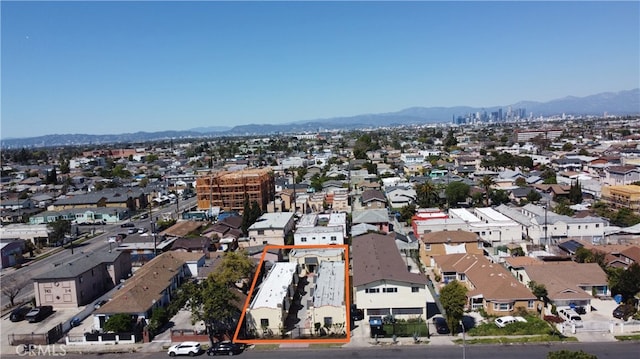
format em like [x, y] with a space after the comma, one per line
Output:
[99, 68]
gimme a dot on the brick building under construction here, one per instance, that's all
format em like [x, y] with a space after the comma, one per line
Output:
[227, 190]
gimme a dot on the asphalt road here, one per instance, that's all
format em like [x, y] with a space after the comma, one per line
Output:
[98, 243]
[617, 350]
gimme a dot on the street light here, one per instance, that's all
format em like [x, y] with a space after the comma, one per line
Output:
[464, 343]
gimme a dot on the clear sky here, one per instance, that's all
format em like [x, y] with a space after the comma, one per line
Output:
[115, 67]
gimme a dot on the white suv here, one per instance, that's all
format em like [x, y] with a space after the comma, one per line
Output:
[186, 348]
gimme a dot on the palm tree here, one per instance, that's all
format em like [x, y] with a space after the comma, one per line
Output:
[427, 194]
[486, 183]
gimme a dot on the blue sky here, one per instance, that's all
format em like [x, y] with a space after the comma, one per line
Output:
[116, 67]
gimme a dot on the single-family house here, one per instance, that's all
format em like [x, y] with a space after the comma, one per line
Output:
[490, 286]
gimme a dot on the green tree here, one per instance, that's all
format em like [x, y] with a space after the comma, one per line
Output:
[625, 282]
[499, 197]
[450, 140]
[453, 297]
[575, 193]
[59, 229]
[213, 303]
[235, 267]
[456, 192]
[52, 176]
[533, 196]
[486, 183]
[159, 317]
[300, 173]
[568, 354]
[246, 216]
[407, 212]
[563, 209]
[119, 323]
[568, 146]
[538, 289]
[427, 194]
[521, 182]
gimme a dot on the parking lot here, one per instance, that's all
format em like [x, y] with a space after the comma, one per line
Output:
[23, 327]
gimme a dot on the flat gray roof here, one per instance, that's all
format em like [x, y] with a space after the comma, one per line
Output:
[329, 289]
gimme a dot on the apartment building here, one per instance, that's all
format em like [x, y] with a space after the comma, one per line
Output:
[228, 190]
[625, 196]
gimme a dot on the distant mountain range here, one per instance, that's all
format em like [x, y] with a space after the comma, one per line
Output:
[613, 103]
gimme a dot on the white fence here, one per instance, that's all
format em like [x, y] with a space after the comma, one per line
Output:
[101, 339]
[595, 326]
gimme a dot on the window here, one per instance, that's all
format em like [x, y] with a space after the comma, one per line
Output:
[303, 239]
[530, 304]
[415, 289]
[264, 323]
[372, 290]
[502, 307]
[80, 279]
[334, 238]
[597, 225]
[47, 291]
[328, 321]
[261, 232]
[427, 247]
[390, 290]
[462, 276]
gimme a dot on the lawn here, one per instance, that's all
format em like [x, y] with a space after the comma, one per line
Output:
[533, 326]
[508, 340]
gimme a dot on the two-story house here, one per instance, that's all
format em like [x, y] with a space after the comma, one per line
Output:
[80, 279]
[271, 228]
[380, 277]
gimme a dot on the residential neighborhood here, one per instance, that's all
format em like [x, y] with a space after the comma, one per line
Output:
[347, 236]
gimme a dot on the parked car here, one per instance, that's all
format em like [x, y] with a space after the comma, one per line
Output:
[624, 311]
[132, 230]
[581, 310]
[39, 313]
[441, 325]
[508, 319]
[127, 225]
[185, 348]
[225, 348]
[99, 303]
[19, 314]
[142, 230]
[356, 314]
[75, 321]
[569, 314]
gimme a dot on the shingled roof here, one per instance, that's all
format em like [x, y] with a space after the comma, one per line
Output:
[376, 257]
[148, 283]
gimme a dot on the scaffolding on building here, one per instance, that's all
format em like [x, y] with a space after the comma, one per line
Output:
[228, 190]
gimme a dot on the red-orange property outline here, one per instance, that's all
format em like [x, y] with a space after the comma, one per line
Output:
[283, 341]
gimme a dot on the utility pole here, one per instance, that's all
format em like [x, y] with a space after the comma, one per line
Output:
[546, 238]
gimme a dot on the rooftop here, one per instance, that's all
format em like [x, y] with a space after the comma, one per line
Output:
[376, 257]
[278, 220]
[274, 288]
[329, 289]
[78, 264]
